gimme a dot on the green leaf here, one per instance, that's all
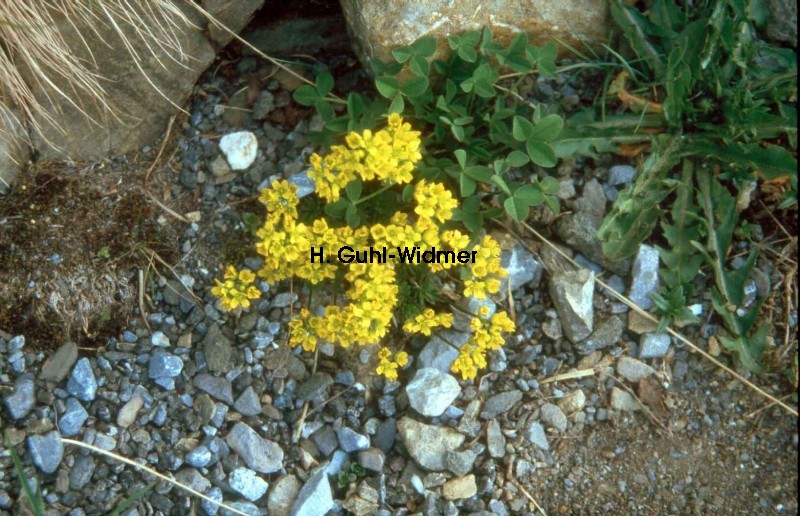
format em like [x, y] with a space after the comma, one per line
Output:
[500, 182]
[529, 194]
[352, 216]
[424, 46]
[324, 83]
[397, 105]
[749, 350]
[472, 221]
[541, 153]
[387, 86]
[324, 109]
[461, 156]
[408, 192]
[479, 173]
[550, 185]
[420, 66]
[403, 54]
[547, 128]
[305, 95]
[517, 208]
[415, 86]
[637, 30]
[517, 159]
[467, 185]
[458, 133]
[353, 190]
[521, 129]
[355, 105]
[338, 209]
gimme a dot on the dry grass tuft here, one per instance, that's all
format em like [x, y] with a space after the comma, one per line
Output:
[33, 51]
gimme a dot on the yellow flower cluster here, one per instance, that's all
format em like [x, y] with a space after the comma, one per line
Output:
[364, 317]
[389, 364]
[237, 289]
[426, 321]
[487, 335]
[388, 155]
[486, 272]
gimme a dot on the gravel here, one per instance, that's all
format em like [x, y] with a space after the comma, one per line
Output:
[82, 383]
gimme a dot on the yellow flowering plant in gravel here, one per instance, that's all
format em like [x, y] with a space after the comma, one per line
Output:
[419, 228]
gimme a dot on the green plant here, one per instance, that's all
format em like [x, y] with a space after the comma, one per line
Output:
[481, 138]
[350, 474]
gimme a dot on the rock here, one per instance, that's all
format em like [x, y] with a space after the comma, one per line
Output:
[164, 365]
[386, 435]
[782, 22]
[247, 483]
[633, 370]
[644, 276]
[372, 459]
[572, 402]
[81, 472]
[315, 387]
[621, 400]
[82, 383]
[383, 25]
[427, 444]
[192, 478]
[21, 401]
[264, 105]
[579, 231]
[315, 497]
[572, 293]
[621, 175]
[654, 345]
[461, 320]
[219, 388]
[57, 367]
[299, 35]
[554, 417]
[460, 488]
[326, 440]
[219, 167]
[218, 350]
[127, 414]
[500, 403]
[495, 440]
[73, 418]
[200, 457]
[210, 508]
[234, 15]
[552, 328]
[535, 435]
[640, 324]
[259, 454]
[248, 404]
[240, 149]
[522, 269]
[282, 495]
[156, 82]
[351, 441]
[46, 451]
[15, 150]
[437, 353]
[430, 392]
[461, 462]
[607, 334]
[305, 185]
[592, 200]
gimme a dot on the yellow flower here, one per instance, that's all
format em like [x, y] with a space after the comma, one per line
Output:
[237, 289]
[427, 320]
[434, 201]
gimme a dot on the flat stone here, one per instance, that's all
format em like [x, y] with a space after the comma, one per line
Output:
[438, 353]
[460, 488]
[315, 387]
[127, 414]
[240, 149]
[247, 483]
[258, 453]
[81, 472]
[640, 324]
[573, 402]
[495, 440]
[200, 457]
[654, 345]
[607, 334]
[264, 105]
[164, 365]
[535, 435]
[554, 417]
[579, 231]
[305, 185]
[218, 350]
[248, 403]
[431, 391]
[192, 478]
[46, 451]
[621, 400]
[159, 340]
[592, 199]
[219, 388]
[351, 441]
[427, 444]
[460, 463]
[644, 276]
[326, 440]
[282, 495]
[57, 367]
[572, 293]
[633, 370]
[500, 403]
[210, 508]
[21, 401]
[315, 497]
[372, 459]
[82, 383]
[73, 418]
[621, 175]
[523, 269]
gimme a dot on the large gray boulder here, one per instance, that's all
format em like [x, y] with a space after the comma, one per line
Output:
[379, 26]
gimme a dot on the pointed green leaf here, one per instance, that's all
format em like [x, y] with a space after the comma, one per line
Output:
[516, 208]
[387, 86]
[324, 83]
[541, 153]
[521, 129]
[530, 194]
[305, 95]
[517, 159]
[415, 86]
[353, 190]
[749, 350]
[547, 128]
